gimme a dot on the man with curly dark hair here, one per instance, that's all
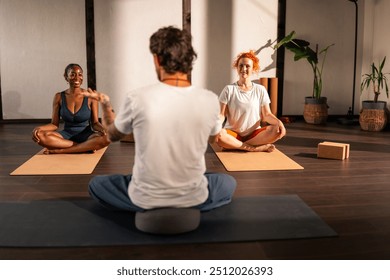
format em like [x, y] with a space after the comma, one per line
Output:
[172, 122]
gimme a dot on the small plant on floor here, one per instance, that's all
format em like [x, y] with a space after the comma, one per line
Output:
[377, 79]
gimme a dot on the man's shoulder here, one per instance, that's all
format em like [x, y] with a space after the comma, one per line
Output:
[139, 91]
[146, 87]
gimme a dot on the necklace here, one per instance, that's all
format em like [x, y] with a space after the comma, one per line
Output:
[175, 79]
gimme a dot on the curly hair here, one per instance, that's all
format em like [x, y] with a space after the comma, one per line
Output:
[70, 66]
[251, 55]
[174, 49]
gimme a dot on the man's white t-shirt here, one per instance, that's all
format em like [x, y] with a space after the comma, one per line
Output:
[171, 127]
[244, 107]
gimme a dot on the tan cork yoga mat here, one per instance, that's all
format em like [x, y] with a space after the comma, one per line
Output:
[235, 160]
[60, 164]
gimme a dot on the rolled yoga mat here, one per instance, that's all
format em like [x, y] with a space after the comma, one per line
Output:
[271, 85]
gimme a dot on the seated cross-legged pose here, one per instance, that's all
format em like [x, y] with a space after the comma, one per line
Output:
[246, 106]
[82, 130]
[172, 122]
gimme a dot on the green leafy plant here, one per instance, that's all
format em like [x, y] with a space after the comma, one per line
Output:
[377, 79]
[301, 49]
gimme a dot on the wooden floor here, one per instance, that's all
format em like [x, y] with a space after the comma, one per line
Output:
[352, 196]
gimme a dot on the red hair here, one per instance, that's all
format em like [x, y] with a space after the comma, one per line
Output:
[251, 55]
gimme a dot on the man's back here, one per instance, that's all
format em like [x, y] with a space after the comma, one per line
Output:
[171, 127]
[172, 122]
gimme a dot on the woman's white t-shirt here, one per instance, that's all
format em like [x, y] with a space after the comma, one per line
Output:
[244, 107]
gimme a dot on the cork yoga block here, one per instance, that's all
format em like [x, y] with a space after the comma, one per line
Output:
[333, 150]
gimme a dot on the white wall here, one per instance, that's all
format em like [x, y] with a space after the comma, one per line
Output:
[222, 29]
[255, 27]
[322, 22]
[35, 50]
[122, 31]
[38, 39]
[376, 41]
[332, 21]
[123, 60]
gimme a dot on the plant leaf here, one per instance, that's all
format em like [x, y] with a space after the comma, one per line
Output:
[301, 43]
[326, 49]
[311, 56]
[382, 64]
[285, 40]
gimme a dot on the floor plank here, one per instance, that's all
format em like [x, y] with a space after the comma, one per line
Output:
[352, 196]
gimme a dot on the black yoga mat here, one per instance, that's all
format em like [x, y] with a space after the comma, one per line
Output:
[86, 223]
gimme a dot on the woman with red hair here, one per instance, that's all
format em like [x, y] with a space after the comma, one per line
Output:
[246, 105]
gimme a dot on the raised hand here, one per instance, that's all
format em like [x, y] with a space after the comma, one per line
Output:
[100, 97]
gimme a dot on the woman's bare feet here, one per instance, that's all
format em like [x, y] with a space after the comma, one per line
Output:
[265, 148]
[53, 151]
[65, 151]
[262, 148]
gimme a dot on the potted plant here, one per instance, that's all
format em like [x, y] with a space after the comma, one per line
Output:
[373, 116]
[316, 108]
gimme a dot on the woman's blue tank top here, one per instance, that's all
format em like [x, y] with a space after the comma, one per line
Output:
[75, 123]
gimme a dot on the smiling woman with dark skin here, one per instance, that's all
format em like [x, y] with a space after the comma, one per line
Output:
[82, 130]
